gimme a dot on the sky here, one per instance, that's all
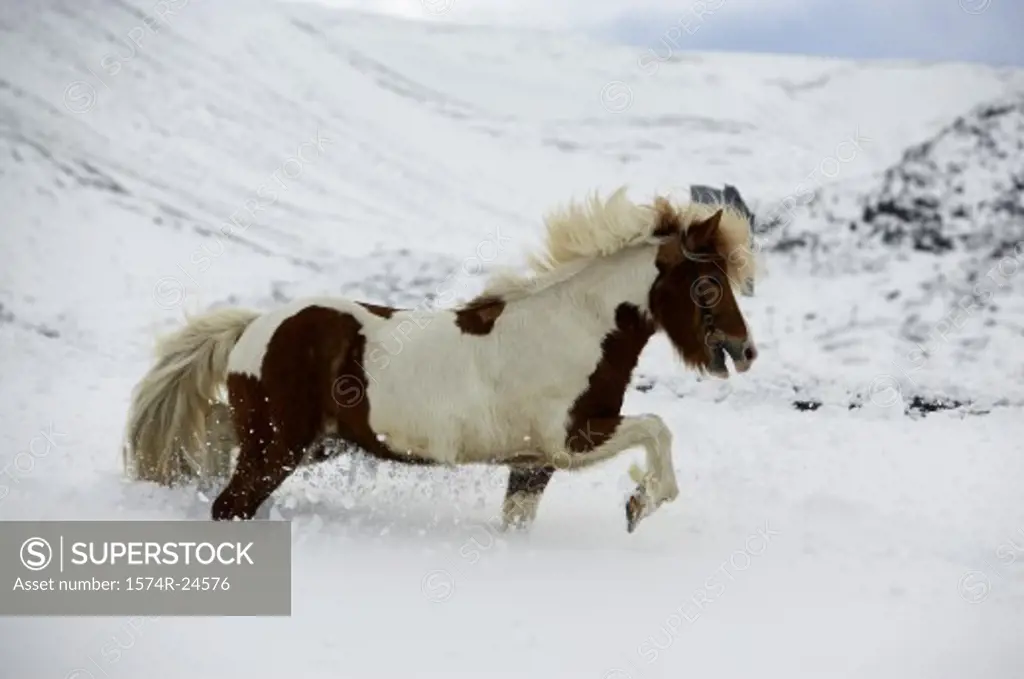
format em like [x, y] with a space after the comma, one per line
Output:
[987, 31]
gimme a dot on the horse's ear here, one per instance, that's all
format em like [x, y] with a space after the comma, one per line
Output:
[701, 236]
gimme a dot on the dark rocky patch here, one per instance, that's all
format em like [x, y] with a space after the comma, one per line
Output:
[932, 405]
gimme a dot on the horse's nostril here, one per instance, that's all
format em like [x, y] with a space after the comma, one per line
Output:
[749, 353]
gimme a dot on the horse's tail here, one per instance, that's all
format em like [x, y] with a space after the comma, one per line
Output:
[167, 423]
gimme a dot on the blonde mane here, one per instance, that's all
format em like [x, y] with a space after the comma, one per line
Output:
[577, 233]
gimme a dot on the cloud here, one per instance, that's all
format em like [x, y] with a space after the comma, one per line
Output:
[947, 30]
[933, 30]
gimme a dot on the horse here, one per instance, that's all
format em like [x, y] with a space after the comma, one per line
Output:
[530, 374]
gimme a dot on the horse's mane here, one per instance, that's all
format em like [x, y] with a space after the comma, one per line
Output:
[577, 233]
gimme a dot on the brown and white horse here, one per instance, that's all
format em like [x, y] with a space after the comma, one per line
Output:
[531, 374]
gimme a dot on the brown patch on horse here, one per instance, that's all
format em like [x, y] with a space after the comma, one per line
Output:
[378, 309]
[594, 415]
[479, 315]
[312, 387]
[260, 467]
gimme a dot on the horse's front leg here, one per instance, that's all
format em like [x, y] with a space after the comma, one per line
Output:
[602, 438]
[525, 487]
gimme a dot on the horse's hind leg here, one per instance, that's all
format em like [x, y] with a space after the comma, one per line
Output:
[525, 487]
[266, 456]
[259, 472]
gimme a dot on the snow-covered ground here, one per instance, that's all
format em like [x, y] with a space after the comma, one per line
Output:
[826, 528]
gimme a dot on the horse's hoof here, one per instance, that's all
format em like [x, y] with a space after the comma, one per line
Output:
[516, 523]
[515, 526]
[634, 512]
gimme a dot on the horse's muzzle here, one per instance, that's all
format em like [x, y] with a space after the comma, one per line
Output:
[742, 352]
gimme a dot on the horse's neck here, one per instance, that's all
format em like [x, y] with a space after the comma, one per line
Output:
[607, 305]
[596, 293]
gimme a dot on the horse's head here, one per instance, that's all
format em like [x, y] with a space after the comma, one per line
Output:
[701, 260]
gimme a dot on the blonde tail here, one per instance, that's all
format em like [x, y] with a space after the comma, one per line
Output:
[165, 439]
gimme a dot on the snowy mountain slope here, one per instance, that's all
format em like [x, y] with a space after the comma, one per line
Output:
[948, 218]
[390, 160]
[935, 205]
[958, 190]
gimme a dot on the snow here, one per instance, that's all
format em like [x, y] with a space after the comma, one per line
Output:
[857, 539]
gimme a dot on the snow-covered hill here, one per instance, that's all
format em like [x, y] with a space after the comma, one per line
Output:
[945, 220]
[163, 157]
[961, 189]
[965, 187]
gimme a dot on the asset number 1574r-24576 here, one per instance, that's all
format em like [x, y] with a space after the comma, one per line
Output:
[169, 584]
